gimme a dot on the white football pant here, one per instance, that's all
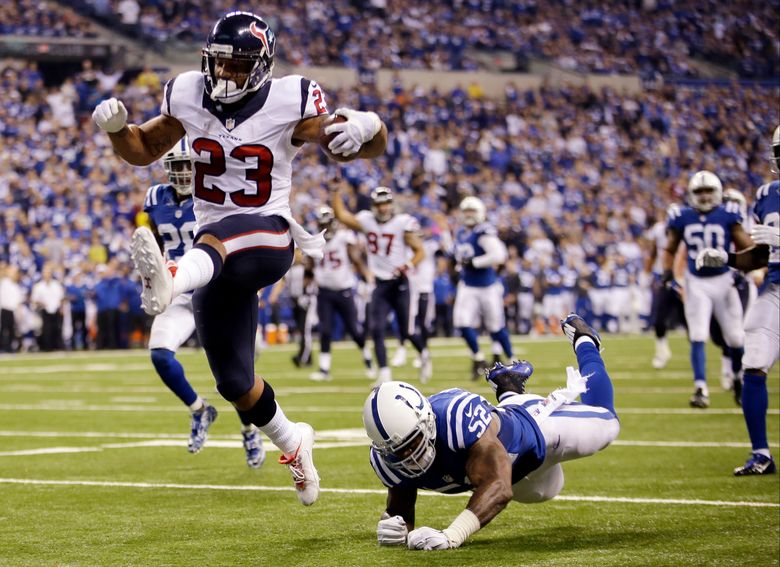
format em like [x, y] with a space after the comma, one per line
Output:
[762, 331]
[716, 295]
[471, 302]
[173, 327]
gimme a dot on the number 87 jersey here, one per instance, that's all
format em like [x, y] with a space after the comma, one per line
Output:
[242, 157]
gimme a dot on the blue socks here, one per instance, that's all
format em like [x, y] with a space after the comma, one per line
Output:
[502, 337]
[755, 400]
[470, 336]
[600, 392]
[172, 374]
[698, 361]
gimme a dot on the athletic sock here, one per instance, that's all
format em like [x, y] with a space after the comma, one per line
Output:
[698, 361]
[282, 432]
[171, 372]
[470, 336]
[196, 268]
[755, 401]
[325, 362]
[600, 392]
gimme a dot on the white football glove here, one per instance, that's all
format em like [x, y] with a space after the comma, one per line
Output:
[359, 128]
[428, 539]
[711, 258]
[766, 234]
[110, 115]
[391, 531]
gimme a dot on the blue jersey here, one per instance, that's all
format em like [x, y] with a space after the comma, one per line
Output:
[553, 281]
[767, 211]
[621, 276]
[175, 221]
[461, 419]
[705, 230]
[467, 247]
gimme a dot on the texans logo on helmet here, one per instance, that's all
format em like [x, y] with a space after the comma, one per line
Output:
[259, 34]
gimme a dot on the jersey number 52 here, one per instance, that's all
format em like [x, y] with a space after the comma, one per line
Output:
[217, 166]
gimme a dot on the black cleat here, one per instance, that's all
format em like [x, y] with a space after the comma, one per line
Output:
[699, 399]
[296, 360]
[757, 464]
[497, 359]
[575, 327]
[510, 378]
[478, 368]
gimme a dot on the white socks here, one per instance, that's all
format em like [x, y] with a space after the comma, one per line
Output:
[325, 362]
[194, 270]
[283, 433]
[197, 405]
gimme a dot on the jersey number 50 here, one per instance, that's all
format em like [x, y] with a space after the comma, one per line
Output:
[216, 166]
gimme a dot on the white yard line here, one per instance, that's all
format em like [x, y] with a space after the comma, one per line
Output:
[223, 487]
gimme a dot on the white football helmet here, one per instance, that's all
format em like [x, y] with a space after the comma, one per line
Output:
[705, 191]
[775, 159]
[402, 427]
[473, 211]
[178, 166]
[380, 196]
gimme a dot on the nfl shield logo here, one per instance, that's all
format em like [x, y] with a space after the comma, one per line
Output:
[230, 123]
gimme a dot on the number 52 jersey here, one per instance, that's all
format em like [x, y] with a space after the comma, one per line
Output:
[242, 158]
[461, 419]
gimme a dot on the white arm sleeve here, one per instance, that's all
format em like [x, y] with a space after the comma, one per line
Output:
[495, 252]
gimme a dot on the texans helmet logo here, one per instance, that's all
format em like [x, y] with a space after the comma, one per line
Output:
[259, 34]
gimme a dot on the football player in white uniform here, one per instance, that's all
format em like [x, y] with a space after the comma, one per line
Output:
[762, 324]
[480, 295]
[708, 291]
[456, 441]
[389, 236]
[244, 129]
[172, 221]
[335, 277]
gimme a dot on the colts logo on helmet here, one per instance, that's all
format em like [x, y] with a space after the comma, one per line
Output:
[259, 34]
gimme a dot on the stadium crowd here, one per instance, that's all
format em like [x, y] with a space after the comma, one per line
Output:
[571, 176]
[646, 37]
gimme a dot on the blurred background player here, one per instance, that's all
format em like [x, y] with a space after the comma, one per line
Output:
[172, 221]
[456, 441]
[707, 223]
[762, 324]
[480, 294]
[335, 278]
[389, 236]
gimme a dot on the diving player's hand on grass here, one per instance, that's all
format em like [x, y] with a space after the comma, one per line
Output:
[391, 531]
[428, 539]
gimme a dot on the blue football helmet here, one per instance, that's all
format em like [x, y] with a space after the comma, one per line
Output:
[246, 43]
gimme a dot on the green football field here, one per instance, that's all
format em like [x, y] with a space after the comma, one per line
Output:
[94, 471]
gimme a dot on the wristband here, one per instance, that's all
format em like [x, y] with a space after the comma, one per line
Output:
[462, 528]
[731, 259]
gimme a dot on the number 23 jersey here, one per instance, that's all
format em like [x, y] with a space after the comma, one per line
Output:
[242, 158]
[461, 419]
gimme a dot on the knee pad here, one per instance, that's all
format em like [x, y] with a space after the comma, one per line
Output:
[264, 409]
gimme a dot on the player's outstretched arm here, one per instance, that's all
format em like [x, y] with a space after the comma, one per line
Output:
[489, 470]
[137, 145]
[343, 215]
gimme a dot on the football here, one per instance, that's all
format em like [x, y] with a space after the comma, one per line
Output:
[326, 139]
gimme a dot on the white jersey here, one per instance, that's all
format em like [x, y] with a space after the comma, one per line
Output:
[421, 278]
[387, 250]
[657, 235]
[242, 161]
[334, 271]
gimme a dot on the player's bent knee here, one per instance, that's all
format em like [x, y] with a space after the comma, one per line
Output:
[539, 489]
[162, 358]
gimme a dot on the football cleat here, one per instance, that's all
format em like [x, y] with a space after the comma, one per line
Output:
[370, 369]
[399, 357]
[199, 427]
[478, 368]
[756, 464]
[510, 378]
[699, 399]
[575, 327]
[156, 278]
[320, 376]
[253, 445]
[426, 367]
[299, 363]
[662, 356]
[301, 465]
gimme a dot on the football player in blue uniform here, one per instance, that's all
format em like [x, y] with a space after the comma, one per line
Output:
[707, 223]
[480, 293]
[762, 324]
[455, 441]
[172, 221]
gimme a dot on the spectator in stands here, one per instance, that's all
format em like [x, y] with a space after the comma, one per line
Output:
[76, 293]
[108, 297]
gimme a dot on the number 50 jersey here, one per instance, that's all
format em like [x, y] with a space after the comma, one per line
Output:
[242, 157]
[461, 419]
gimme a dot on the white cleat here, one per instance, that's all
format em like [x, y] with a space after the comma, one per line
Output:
[156, 278]
[426, 368]
[662, 356]
[399, 357]
[320, 376]
[371, 372]
[301, 464]
[385, 375]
